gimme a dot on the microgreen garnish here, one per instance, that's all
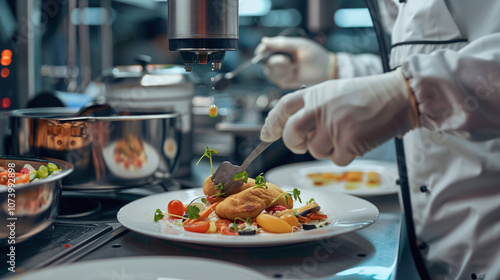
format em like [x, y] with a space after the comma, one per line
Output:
[219, 188]
[260, 182]
[310, 201]
[208, 154]
[204, 200]
[247, 220]
[243, 175]
[158, 215]
[295, 194]
[192, 212]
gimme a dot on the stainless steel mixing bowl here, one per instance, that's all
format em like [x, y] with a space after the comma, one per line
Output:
[29, 208]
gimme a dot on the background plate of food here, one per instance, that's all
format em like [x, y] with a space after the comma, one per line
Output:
[359, 178]
[125, 160]
[345, 213]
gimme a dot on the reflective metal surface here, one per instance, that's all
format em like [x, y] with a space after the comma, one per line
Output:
[29, 208]
[202, 30]
[205, 19]
[107, 152]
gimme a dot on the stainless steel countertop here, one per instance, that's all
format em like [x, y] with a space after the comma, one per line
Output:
[370, 253]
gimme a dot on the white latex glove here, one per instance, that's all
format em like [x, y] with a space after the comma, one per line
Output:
[312, 64]
[342, 119]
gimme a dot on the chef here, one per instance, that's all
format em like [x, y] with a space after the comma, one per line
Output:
[443, 97]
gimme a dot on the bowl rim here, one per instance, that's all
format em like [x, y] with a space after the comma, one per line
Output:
[51, 111]
[67, 168]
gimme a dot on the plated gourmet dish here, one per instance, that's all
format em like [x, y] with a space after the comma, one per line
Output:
[352, 179]
[256, 207]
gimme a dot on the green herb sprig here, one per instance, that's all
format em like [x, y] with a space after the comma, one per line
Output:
[295, 194]
[243, 175]
[220, 190]
[158, 215]
[193, 212]
[260, 182]
[208, 153]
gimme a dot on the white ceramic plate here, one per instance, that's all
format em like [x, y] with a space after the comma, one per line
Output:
[152, 162]
[141, 268]
[348, 213]
[296, 175]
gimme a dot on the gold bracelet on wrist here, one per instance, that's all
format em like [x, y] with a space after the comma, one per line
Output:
[414, 105]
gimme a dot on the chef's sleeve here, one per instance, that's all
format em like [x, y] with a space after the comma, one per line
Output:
[357, 65]
[459, 91]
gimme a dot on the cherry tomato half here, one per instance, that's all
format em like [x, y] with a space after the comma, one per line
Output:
[200, 227]
[176, 207]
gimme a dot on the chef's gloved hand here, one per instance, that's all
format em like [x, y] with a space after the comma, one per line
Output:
[342, 119]
[312, 64]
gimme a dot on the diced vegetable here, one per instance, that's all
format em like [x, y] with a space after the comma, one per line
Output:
[308, 208]
[33, 175]
[52, 167]
[213, 228]
[29, 167]
[42, 172]
[24, 171]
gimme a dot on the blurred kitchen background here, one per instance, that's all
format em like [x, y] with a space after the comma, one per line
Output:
[63, 52]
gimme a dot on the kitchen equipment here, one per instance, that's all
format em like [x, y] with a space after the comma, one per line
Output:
[203, 30]
[225, 173]
[107, 152]
[221, 81]
[31, 207]
[155, 89]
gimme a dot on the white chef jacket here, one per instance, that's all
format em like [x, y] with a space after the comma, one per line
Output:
[450, 52]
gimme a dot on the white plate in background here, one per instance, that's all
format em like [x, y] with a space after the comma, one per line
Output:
[295, 175]
[142, 268]
[348, 213]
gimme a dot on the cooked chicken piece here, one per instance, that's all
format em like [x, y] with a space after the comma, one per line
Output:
[251, 202]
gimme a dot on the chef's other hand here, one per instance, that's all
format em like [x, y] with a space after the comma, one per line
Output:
[342, 119]
[312, 64]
